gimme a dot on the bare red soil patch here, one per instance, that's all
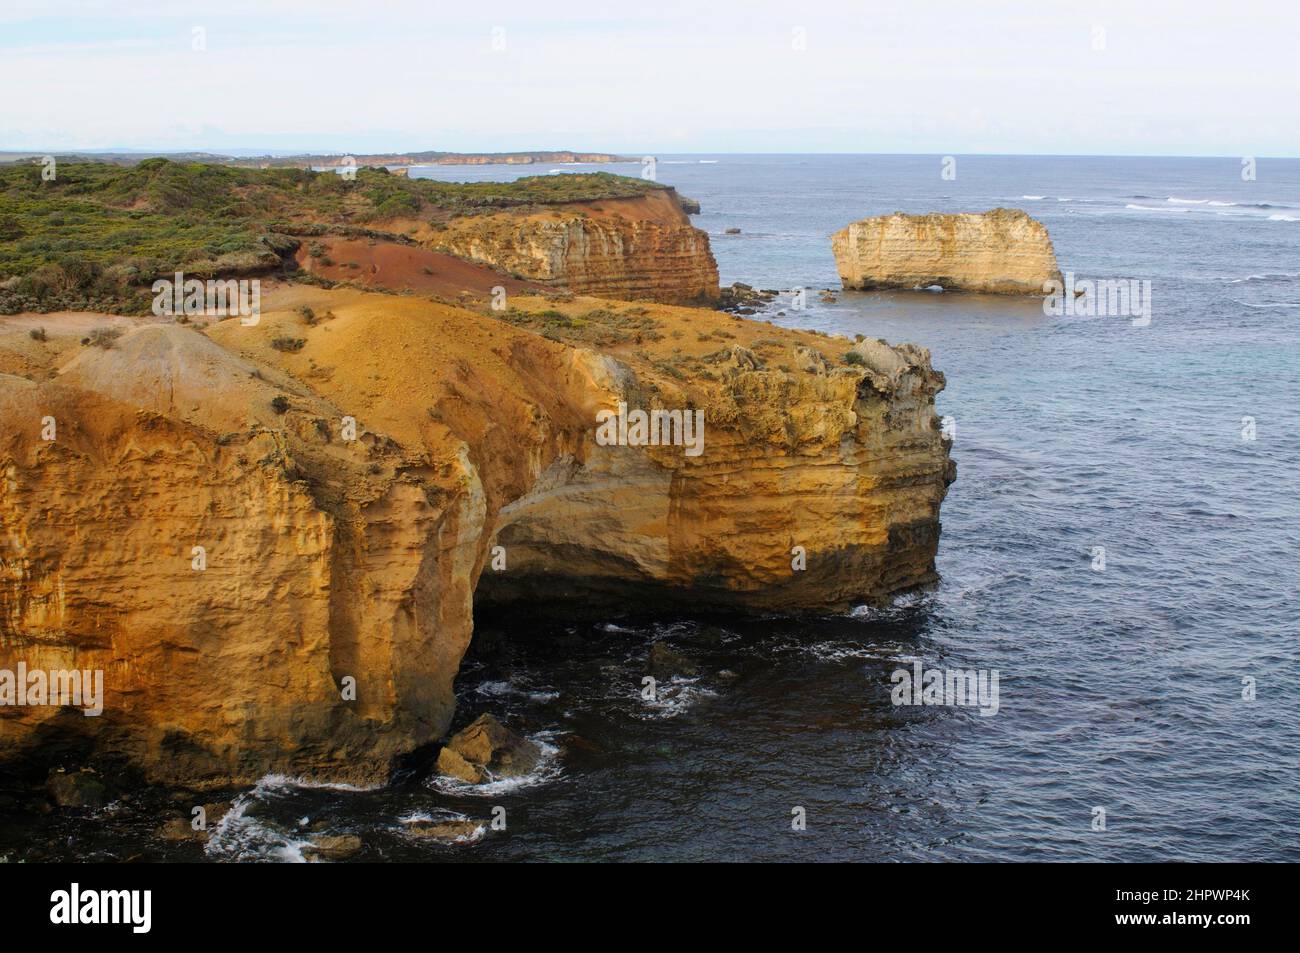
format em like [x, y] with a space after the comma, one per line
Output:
[400, 267]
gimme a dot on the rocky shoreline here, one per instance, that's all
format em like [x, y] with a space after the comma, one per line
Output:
[365, 556]
[369, 467]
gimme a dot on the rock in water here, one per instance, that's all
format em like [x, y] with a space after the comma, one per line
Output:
[665, 663]
[332, 847]
[82, 789]
[449, 832]
[999, 252]
[455, 765]
[487, 750]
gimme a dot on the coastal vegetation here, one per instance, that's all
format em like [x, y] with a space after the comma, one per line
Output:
[97, 235]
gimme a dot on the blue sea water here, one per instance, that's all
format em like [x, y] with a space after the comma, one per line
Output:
[1121, 688]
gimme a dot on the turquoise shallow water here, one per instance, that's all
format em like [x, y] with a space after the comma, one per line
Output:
[1119, 689]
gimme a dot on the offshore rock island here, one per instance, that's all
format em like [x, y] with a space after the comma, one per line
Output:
[234, 520]
[1002, 251]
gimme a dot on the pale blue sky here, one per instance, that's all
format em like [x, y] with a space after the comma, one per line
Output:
[1146, 78]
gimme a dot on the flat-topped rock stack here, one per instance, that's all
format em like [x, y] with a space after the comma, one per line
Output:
[1002, 251]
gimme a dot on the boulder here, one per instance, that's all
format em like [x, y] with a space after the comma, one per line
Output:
[665, 663]
[332, 847]
[449, 832]
[80, 789]
[181, 827]
[455, 765]
[177, 829]
[487, 750]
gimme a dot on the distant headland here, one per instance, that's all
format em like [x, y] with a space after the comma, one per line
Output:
[314, 160]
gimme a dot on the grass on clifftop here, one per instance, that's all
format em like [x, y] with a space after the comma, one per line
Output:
[97, 236]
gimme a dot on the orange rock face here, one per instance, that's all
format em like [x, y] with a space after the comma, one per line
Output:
[1002, 251]
[638, 248]
[273, 555]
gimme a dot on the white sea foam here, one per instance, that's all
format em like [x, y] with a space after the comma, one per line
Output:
[899, 603]
[500, 689]
[1178, 201]
[1270, 277]
[1284, 218]
[240, 837]
[672, 698]
[1033, 198]
[839, 652]
[284, 782]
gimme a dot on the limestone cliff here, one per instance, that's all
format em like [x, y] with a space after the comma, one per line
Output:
[333, 558]
[631, 248]
[1003, 251]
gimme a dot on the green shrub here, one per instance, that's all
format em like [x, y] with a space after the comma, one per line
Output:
[103, 337]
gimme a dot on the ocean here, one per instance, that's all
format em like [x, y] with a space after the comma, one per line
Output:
[1120, 547]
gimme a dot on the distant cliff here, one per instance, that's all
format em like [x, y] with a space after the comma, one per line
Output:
[1003, 251]
[634, 248]
[401, 159]
[322, 160]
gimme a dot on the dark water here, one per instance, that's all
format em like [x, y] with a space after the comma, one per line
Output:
[1120, 688]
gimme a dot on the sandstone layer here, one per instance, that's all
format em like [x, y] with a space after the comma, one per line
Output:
[1003, 251]
[318, 630]
[642, 248]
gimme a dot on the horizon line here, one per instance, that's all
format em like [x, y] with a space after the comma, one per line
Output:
[282, 153]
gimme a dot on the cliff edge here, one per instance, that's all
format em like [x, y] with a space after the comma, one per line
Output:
[636, 248]
[270, 539]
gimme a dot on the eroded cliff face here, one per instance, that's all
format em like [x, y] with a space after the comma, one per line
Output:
[999, 252]
[841, 464]
[333, 558]
[637, 248]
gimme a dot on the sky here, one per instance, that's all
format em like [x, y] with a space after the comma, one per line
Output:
[1140, 77]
